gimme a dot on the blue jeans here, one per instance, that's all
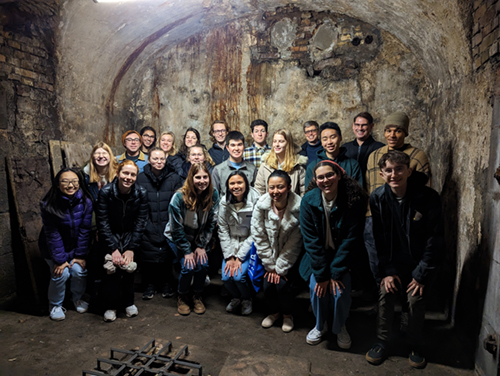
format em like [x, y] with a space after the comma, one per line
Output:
[338, 305]
[57, 285]
[197, 275]
[237, 285]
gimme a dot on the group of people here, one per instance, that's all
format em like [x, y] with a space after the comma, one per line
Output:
[282, 211]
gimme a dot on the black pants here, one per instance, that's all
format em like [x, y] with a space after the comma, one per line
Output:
[118, 289]
[157, 274]
[278, 297]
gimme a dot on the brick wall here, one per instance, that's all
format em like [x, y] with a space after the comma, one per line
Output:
[485, 32]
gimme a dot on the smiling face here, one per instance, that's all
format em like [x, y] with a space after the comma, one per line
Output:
[259, 135]
[395, 137]
[279, 145]
[327, 180]
[148, 137]
[330, 140]
[101, 157]
[237, 187]
[68, 183]
[362, 128]
[157, 160]
[132, 144]
[396, 175]
[190, 139]
[201, 180]
[235, 149]
[278, 190]
[166, 143]
[311, 133]
[219, 131]
[196, 155]
[127, 178]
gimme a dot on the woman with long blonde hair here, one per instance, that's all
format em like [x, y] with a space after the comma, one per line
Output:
[101, 168]
[283, 156]
[167, 143]
[192, 219]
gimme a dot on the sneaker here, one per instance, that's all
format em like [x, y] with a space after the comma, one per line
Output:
[287, 324]
[57, 313]
[110, 315]
[344, 339]
[233, 305]
[207, 281]
[417, 360]
[167, 291]
[131, 311]
[246, 307]
[183, 306]
[198, 306]
[269, 321]
[149, 292]
[81, 306]
[314, 336]
[376, 354]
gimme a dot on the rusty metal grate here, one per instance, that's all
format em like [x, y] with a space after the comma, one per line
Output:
[149, 360]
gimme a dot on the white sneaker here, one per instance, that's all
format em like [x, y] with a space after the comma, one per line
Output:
[314, 336]
[287, 326]
[81, 306]
[57, 313]
[269, 321]
[110, 315]
[131, 311]
[344, 339]
[207, 281]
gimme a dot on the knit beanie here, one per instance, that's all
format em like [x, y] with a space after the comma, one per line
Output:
[398, 119]
[127, 133]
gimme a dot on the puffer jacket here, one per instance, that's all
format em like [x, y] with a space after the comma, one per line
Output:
[346, 226]
[121, 219]
[234, 226]
[160, 189]
[423, 233]
[278, 242]
[185, 229]
[63, 239]
[297, 174]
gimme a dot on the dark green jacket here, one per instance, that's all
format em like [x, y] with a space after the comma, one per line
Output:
[347, 226]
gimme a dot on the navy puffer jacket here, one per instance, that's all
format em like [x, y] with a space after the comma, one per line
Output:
[160, 189]
[64, 238]
[121, 219]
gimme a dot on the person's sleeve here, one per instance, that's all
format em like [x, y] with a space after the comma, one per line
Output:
[84, 231]
[54, 239]
[209, 227]
[216, 178]
[290, 252]
[140, 221]
[302, 180]
[226, 243]
[106, 236]
[176, 224]
[309, 174]
[386, 267]
[260, 183]
[356, 172]
[261, 239]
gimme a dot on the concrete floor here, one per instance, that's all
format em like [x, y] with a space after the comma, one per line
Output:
[223, 343]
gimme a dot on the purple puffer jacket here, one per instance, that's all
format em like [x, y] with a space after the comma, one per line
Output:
[67, 237]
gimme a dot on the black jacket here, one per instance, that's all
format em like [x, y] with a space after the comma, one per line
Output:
[154, 246]
[413, 228]
[361, 153]
[218, 154]
[121, 219]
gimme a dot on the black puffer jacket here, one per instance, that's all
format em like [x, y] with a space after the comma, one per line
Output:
[160, 189]
[121, 219]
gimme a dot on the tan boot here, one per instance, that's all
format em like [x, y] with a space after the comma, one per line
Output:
[198, 306]
[183, 306]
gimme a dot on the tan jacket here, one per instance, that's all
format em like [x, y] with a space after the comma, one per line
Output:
[297, 174]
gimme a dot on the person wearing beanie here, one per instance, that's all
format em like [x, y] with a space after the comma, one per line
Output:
[132, 141]
[331, 138]
[396, 128]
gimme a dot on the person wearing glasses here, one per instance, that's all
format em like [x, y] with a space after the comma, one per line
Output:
[254, 153]
[409, 241]
[148, 135]
[156, 257]
[311, 147]
[132, 141]
[332, 216]
[65, 237]
[218, 133]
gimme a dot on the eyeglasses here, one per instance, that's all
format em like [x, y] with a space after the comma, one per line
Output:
[158, 159]
[220, 131]
[147, 136]
[66, 183]
[324, 177]
[358, 125]
[133, 140]
[397, 170]
[311, 131]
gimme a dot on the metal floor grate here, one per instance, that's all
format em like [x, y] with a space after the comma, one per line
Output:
[149, 360]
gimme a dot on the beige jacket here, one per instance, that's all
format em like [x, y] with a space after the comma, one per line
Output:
[297, 174]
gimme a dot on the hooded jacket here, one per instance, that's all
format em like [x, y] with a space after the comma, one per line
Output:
[351, 166]
[121, 219]
[63, 239]
[160, 189]
[414, 228]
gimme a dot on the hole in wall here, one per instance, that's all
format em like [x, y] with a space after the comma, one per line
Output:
[368, 39]
[356, 41]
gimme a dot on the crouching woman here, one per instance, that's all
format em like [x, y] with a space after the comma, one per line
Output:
[331, 217]
[276, 234]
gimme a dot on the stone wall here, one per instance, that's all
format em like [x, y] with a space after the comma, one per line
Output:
[486, 33]
[28, 116]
